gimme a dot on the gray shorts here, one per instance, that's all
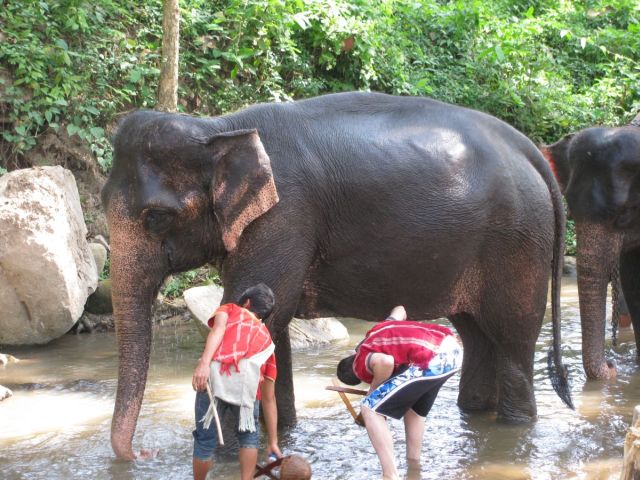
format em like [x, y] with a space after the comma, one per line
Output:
[205, 440]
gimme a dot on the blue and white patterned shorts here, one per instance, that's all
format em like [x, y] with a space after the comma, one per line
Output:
[416, 388]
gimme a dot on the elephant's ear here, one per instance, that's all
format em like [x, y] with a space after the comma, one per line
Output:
[242, 186]
[636, 121]
[557, 154]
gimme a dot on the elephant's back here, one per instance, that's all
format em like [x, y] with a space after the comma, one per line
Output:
[444, 166]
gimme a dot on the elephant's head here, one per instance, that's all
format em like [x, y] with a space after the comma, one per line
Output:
[179, 195]
[598, 170]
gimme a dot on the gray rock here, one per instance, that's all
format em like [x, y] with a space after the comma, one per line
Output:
[202, 302]
[99, 302]
[316, 331]
[48, 271]
[569, 267]
[102, 241]
[99, 253]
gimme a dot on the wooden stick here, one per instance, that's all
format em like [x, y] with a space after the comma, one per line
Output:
[356, 418]
[215, 413]
[337, 388]
[266, 469]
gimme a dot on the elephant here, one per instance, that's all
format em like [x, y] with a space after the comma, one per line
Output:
[345, 204]
[598, 170]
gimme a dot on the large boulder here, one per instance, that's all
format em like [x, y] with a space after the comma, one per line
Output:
[47, 270]
[202, 302]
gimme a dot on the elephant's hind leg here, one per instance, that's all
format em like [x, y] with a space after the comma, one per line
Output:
[512, 318]
[478, 390]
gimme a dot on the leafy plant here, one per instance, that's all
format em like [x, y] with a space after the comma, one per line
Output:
[177, 284]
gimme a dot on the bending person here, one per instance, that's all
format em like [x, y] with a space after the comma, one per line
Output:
[405, 363]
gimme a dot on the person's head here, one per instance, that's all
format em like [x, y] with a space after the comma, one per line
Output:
[259, 299]
[345, 371]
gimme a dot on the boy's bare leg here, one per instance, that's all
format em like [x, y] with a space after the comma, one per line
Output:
[248, 460]
[382, 442]
[201, 468]
[414, 432]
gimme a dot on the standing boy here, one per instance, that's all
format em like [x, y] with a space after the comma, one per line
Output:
[243, 365]
[405, 364]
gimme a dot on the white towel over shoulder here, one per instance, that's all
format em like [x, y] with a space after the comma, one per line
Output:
[239, 388]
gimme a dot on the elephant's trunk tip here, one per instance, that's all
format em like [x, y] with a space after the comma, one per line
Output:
[559, 375]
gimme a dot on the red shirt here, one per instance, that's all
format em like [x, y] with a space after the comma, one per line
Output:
[245, 335]
[408, 342]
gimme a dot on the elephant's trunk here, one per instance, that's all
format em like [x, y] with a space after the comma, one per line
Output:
[135, 275]
[598, 252]
[133, 330]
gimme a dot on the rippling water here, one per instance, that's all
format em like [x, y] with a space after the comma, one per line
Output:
[56, 426]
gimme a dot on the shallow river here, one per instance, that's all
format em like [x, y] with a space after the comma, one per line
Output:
[56, 426]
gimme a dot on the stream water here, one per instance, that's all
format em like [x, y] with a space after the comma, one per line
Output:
[56, 426]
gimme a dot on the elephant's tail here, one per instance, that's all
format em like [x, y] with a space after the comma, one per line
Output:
[558, 372]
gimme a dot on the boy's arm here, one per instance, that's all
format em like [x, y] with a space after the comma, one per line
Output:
[382, 366]
[201, 374]
[270, 410]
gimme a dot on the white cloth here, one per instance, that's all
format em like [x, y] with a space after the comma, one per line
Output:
[239, 388]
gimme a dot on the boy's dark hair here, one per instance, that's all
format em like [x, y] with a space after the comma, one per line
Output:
[345, 371]
[262, 300]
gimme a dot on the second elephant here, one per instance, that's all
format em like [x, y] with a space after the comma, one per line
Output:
[598, 170]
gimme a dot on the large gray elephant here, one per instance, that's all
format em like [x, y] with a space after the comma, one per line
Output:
[598, 170]
[345, 204]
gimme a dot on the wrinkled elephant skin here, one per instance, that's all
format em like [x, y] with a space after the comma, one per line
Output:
[598, 170]
[345, 204]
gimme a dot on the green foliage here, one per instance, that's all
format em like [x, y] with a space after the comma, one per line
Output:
[570, 238]
[106, 269]
[176, 284]
[74, 65]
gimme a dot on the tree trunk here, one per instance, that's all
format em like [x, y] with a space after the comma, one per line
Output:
[168, 86]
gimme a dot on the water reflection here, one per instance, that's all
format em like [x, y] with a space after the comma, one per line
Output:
[57, 424]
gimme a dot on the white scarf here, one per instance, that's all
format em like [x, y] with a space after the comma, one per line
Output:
[239, 388]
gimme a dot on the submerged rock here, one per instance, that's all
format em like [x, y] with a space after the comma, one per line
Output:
[202, 302]
[5, 393]
[100, 301]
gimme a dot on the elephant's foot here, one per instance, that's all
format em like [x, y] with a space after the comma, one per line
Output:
[518, 407]
[287, 421]
[607, 371]
[478, 398]
[515, 416]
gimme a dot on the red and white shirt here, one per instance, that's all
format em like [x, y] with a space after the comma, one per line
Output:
[408, 342]
[244, 336]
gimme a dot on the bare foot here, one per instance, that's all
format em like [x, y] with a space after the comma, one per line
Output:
[145, 454]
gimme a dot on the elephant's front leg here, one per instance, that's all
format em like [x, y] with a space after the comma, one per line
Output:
[282, 264]
[629, 268]
[285, 395]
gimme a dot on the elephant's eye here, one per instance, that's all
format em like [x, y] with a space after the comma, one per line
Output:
[158, 220]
